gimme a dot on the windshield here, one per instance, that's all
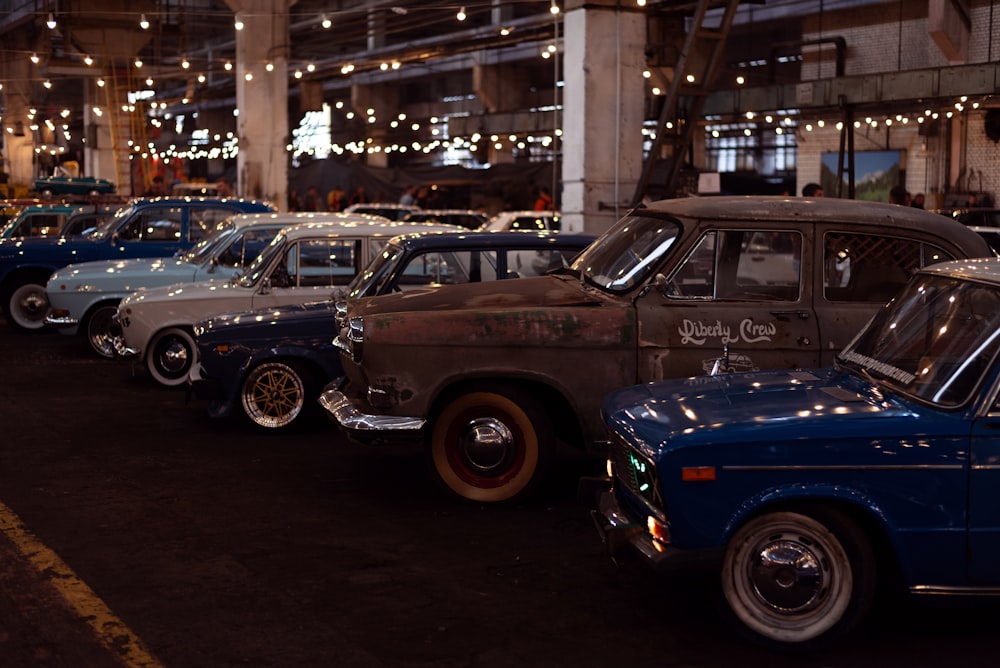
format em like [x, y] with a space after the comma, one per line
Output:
[933, 342]
[627, 254]
[105, 229]
[207, 246]
[368, 280]
[262, 262]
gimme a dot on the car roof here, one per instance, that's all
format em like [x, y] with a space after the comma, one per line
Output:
[363, 224]
[765, 208]
[492, 239]
[187, 199]
[982, 269]
[296, 217]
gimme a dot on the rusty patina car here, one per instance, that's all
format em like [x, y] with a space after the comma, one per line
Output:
[491, 378]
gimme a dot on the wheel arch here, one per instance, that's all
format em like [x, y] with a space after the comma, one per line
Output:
[93, 306]
[19, 275]
[565, 423]
[855, 506]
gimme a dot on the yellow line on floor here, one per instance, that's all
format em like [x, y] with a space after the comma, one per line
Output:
[110, 631]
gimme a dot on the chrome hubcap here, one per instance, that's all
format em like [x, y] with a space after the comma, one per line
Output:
[174, 357]
[487, 446]
[787, 576]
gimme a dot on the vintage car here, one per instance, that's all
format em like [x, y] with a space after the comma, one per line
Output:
[84, 297]
[499, 374]
[805, 488]
[47, 220]
[384, 209]
[463, 217]
[144, 228]
[273, 363]
[49, 186]
[304, 263]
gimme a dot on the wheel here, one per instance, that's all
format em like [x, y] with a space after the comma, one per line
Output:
[276, 395]
[101, 327]
[797, 581]
[170, 355]
[26, 306]
[491, 445]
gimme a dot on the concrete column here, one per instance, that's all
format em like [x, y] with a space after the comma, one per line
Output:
[384, 100]
[603, 111]
[98, 156]
[262, 99]
[18, 139]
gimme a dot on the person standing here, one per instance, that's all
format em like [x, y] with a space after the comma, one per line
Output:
[544, 201]
[409, 196]
[222, 187]
[812, 190]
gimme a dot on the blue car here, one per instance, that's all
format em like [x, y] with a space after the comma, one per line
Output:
[806, 488]
[144, 228]
[273, 363]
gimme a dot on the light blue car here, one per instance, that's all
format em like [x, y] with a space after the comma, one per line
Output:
[84, 297]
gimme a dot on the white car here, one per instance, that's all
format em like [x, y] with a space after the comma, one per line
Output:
[304, 263]
[84, 297]
[523, 220]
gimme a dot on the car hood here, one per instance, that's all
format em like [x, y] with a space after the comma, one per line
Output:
[277, 322]
[524, 293]
[125, 274]
[217, 289]
[13, 247]
[751, 408]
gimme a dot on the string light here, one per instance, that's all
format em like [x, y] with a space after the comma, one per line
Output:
[553, 7]
[461, 16]
[239, 22]
[326, 22]
[34, 58]
[143, 23]
[51, 23]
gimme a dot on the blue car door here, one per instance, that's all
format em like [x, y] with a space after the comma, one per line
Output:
[984, 499]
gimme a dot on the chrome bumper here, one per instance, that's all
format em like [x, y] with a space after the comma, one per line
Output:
[367, 428]
[61, 321]
[123, 351]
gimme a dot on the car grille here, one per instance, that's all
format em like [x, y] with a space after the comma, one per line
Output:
[636, 473]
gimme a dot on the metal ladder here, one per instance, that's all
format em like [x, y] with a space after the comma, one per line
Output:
[696, 69]
[126, 120]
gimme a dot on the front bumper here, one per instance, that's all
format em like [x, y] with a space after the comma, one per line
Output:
[122, 350]
[624, 535]
[364, 428]
[61, 319]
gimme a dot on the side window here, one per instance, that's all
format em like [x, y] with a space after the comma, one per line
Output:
[154, 224]
[525, 263]
[203, 221]
[735, 264]
[870, 267]
[324, 262]
[244, 249]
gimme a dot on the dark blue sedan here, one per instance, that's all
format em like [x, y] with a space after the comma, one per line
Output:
[805, 488]
[272, 364]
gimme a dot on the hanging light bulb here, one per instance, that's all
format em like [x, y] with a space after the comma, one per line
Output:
[553, 7]
[185, 64]
[461, 14]
[326, 22]
[34, 58]
[88, 61]
[143, 23]
[51, 23]
[47, 83]
[239, 22]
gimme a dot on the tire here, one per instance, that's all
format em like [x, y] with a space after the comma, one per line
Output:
[798, 581]
[491, 445]
[277, 395]
[100, 327]
[171, 353]
[26, 306]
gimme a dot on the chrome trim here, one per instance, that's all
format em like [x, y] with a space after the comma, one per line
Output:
[850, 467]
[986, 467]
[338, 343]
[938, 590]
[350, 418]
[123, 351]
[60, 321]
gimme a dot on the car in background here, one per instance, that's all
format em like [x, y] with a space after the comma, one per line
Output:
[978, 217]
[157, 227]
[493, 380]
[84, 297]
[64, 220]
[11, 207]
[991, 235]
[49, 186]
[523, 220]
[467, 218]
[191, 189]
[384, 209]
[805, 488]
[273, 363]
[305, 262]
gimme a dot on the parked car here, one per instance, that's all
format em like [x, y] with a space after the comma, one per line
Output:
[499, 373]
[48, 220]
[84, 297]
[49, 186]
[273, 363]
[805, 488]
[978, 216]
[992, 236]
[304, 263]
[385, 209]
[195, 189]
[144, 228]
[468, 218]
[523, 220]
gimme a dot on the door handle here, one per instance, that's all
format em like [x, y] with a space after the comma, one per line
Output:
[801, 314]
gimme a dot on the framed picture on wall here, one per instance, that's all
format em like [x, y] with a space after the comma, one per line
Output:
[875, 173]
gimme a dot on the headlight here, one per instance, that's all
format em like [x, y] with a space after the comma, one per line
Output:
[356, 337]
